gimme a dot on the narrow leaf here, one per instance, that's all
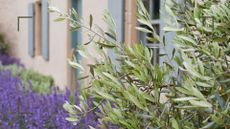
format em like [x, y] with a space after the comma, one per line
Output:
[171, 29]
[106, 45]
[204, 104]
[90, 21]
[111, 36]
[185, 99]
[143, 30]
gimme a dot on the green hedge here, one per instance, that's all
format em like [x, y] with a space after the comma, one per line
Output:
[38, 82]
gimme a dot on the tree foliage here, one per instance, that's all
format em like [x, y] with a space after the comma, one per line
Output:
[134, 94]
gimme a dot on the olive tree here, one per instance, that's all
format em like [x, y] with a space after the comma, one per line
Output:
[134, 94]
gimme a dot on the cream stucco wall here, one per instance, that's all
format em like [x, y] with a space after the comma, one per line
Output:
[89, 7]
[96, 8]
[57, 65]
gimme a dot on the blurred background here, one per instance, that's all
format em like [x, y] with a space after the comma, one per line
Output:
[45, 46]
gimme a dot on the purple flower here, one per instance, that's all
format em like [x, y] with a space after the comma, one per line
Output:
[8, 60]
[20, 108]
[26, 109]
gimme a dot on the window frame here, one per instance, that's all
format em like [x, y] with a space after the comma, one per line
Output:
[38, 40]
[155, 47]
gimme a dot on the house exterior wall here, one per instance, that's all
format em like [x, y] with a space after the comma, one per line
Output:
[96, 8]
[56, 66]
[59, 34]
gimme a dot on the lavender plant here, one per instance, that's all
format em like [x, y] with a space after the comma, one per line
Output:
[8, 60]
[20, 109]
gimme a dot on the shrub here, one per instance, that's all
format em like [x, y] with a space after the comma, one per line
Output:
[20, 109]
[38, 82]
[4, 48]
[134, 94]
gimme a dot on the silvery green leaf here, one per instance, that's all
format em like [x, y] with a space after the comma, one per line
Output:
[90, 127]
[106, 45]
[130, 63]
[184, 99]
[188, 39]
[143, 30]
[203, 84]
[54, 9]
[69, 108]
[191, 70]
[145, 22]
[204, 104]
[71, 119]
[133, 99]
[104, 94]
[74, 64]
[59, 19]
[111, 77]
[209, 125]
[171, 29]
[175, 124]
[82, 53]
[78, 108]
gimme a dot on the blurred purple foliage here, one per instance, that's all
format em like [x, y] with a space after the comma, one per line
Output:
[8, 60]
[20, 109]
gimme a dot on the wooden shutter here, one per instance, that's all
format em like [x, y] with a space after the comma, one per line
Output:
[31, 44]
[45, 30]
[116, 8]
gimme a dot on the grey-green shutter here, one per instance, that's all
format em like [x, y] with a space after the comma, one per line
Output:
[76, 36]
[45, 30]
[31, 43]
[164, 20]
[116, 8]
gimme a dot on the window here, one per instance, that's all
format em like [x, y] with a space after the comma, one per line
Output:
[116, 8]
[39, 29]
[37, 20]
[153, 6]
